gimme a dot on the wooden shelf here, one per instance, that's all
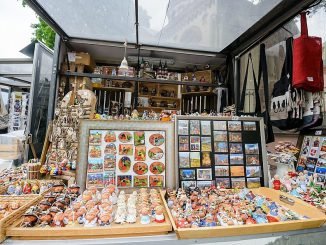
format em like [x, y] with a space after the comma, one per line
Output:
[124, 78]
[163, 98]
[114, 89]
[198, 93]
[156, 108]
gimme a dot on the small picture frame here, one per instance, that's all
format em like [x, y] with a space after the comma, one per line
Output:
[238, 183]
[223, 182]
[183, 127]
[183, 143]
[187, 174]
[222, 171]
[253, 171]
[221, 159]
[204, 174]
[220, 136]
[194, 143]
[236, 159]
[237, 171]
[184, 160]
[235, 148]
[249, 126]
[252, 160]
[234, 126]
[188, 184]
[253, 183]
[195, 159]
[205, 127]
[206, 144]
[194, 127]
[221, 147]
[252, 148]
[206, 159]
[219, 125]
[95, 179]
[235, 137]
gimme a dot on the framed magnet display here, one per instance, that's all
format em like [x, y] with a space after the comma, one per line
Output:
[127, 153]
[224, 151]
[312, 156]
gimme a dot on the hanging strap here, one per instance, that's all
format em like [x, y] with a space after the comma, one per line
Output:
[262, 73]
[304, 27]
[243, 95]
[288, 63]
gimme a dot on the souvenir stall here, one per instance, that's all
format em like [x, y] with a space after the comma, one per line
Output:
[151, 139]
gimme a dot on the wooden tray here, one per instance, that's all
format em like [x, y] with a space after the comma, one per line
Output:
[26, 200]
[79, 232]
[317, 219]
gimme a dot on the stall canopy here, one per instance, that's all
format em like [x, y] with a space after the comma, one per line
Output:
[16, 72]
[200, 25]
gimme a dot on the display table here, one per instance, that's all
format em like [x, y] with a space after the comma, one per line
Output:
[317, 235]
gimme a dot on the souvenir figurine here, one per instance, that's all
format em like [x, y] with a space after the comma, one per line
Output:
[276, 182]
[144, 216]
[131, 217]
[30, 219]
[43, 188]
[113, 198]
[45, 218]
[59, 220]
[159, 216]
[45, 205]
[14, 206]
[18, 190]
[134, 114]
[11, 190]
[90, 219]
[120, 216]
[58, 188]
[105, 219]
[27, 188]
[74, 189]
[287, 183]
[210, 221]
[35, 189]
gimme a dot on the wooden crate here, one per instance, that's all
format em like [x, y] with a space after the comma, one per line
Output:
[76, 231]
[26, 200]
[317, 218]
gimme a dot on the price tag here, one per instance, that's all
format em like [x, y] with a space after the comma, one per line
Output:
[71, 57]
[318, 132]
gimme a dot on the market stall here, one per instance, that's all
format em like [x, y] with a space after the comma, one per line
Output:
[150, 136]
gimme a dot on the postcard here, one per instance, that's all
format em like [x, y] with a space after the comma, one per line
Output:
[237, 171]
[236, 159]
[184, 160]
[188, 184]
[219, 125]
[249, 126]
[206, 144]
[187, 174]
[183, 127]
[235, 137]
[235, 147]
[220, 136]
[205, 127]
[253, 183]
[223, 182]
[195, 159]
[183, 143]
[251, 148]
[220, 146]
[206, 159]
[221, 159]
[238, 183]
[222, 171]
[253, 171]
[194, 127]
[204, 174]
[234, 126]
[252, 159]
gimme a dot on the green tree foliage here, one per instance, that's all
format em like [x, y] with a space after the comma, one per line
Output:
[42, 31]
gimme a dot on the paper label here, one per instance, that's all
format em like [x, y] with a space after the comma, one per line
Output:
[310, 79]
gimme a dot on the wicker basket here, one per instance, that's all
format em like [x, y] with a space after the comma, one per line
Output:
[26, 201]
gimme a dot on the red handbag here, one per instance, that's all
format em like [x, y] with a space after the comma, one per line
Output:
[307, 60]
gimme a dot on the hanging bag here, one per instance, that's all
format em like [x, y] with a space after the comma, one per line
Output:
[307, 60]
[312, 111]
[285, 110]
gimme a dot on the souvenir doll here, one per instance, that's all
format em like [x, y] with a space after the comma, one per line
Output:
[294, 191]
[134, 114]
[45, 205]
[105, 219]
[27, 189]
[96, 196]
[35, 188]
[58, 188]
[144, 216]
[120, 216]
[113, 198]
[45, 219]
[131, 217]
[50, 198]
[105, 195]
[287, 183]
[105, 206]
[74, 189]
[59, 220]
[43, 188]
[159, 216]
[11, 190]
[30, 219]
[81, 215]
[87, 195]
[18, 189]
[276, 182]
[90, 204]
[90, 219]
[210, 220]
[14, 206]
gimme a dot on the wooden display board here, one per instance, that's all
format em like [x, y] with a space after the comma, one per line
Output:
[316, 219]
[312, 156]
[229, 151]
[124, 152]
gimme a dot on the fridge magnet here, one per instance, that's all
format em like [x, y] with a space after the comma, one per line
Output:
[183, 143]
[109, 178]
[220, 136]
[236, 159]
[322, 155]
[140, 153]
[323, 145]
[223, 182]
[95, 165]
[124, 164]
[110, 149]
[156, 139]
[157, 167]
[251, 149]
[124, 180]
[221, 159]
[110, 137]
[156, 180]
[140, 168]
[219, 125]
[141, 181]
[155, 153]
[321, 178]
[126, 149]
[205, 127]
[204, 184]
[321, 163]
[234, 126]
[95, 137]
[315, 142]
[235, 137]
[237, 171]
[139, 138]
[252, 171]
[253, 183]
[109, 162]
[238, 183]
[249, 126]
[183, 127]
[194, 127]
[314, 152]
[95, 179]
[125, 137]
[187, 174]
[194, 159]
[321, 170]
[206, 144]
[222, 171]
[95, 151]
[252, 159]
[311, 163]
[220, 146]
[235, 148]
[206, 159]
[184, 160]
[188, 184]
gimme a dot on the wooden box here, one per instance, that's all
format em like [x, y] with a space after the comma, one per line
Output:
[25, 200]
[316, 219]
[76, 231]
